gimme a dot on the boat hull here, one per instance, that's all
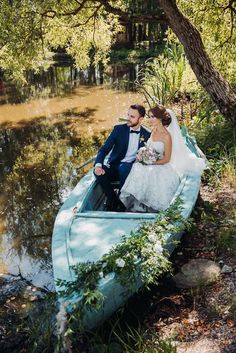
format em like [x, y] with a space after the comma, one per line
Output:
[81, 234]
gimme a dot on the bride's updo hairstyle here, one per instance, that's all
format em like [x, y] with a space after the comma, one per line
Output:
[160, 112]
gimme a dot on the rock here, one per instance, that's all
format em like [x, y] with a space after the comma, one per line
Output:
[226, 269]
[197, 272]
[202, 345]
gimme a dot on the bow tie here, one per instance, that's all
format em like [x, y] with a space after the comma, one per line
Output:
[134, 132]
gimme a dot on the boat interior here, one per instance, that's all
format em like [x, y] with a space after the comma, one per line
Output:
[96, 200]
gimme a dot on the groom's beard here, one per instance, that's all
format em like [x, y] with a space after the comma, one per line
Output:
[133, 124]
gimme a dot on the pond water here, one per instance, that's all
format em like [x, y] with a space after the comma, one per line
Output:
[47, 129]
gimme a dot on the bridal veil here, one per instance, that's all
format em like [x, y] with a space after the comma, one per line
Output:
[182, 159]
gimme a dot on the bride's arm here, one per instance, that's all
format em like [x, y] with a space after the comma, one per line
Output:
[167, 151]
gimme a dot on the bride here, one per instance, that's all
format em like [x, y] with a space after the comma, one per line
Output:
[151, 187]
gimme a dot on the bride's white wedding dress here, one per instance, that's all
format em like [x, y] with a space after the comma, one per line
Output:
[150, 187]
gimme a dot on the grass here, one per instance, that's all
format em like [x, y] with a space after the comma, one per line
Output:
[124, 338]
[217, 138]
[39, 326]
[232, 308]
[226, 239]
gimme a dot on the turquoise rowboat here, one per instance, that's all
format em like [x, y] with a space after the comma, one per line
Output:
[84, 231]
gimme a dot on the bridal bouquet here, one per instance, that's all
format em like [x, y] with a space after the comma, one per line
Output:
[147, 155]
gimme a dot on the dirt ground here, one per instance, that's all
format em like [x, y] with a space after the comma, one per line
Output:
[203, 319]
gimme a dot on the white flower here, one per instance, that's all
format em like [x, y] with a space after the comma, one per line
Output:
[171, 226]
[104, 264]
[120, 262]
[101, 274]
[158, 247]
[152, 237]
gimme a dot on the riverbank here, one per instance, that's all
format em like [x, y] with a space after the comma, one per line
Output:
[203, 319]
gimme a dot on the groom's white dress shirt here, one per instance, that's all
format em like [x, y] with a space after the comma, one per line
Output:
[132, 147]
[131, 150]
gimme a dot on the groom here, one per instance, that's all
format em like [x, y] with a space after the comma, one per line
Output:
[123, 142]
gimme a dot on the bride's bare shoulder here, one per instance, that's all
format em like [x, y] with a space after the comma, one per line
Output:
[167, 135]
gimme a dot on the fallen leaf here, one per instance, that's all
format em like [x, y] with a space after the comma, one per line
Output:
[206, 332]
[230, 323]
[225, 342]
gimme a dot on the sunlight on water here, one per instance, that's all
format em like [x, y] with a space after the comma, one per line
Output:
[93, 108]
[45, 135]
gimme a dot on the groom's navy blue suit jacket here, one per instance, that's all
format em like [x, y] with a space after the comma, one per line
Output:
[118, 142]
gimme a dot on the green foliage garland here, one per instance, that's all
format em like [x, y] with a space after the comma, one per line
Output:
[142, 254]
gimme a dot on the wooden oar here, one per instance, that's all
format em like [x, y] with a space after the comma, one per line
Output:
[86, 162]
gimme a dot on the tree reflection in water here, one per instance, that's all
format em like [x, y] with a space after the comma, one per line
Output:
[39, 170]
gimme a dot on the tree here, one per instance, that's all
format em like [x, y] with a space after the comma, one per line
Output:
[220, 91]
[32, 29]
[84, 25]
[215, 22]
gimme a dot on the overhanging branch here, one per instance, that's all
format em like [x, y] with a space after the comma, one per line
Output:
[124, 16]
[89, 18]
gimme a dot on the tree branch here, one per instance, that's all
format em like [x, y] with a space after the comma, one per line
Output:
[75, 11]
[52, 13]
[89, 18]
[125, 17]
[230, 6]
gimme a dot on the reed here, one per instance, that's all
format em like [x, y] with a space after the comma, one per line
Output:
[160, 79]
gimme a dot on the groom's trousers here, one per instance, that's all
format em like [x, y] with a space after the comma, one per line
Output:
[116, 172]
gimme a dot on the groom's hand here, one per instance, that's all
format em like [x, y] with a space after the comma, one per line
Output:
[99, 171]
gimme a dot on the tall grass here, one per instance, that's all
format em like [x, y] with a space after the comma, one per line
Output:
[160, 79]
[217, 138]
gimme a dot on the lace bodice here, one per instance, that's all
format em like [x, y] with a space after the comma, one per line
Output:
[158, 146]
[150, 187]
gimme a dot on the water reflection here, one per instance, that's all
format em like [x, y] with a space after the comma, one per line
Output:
[60, 81]
[38, 172]
[35, 186]
[16, 260]
[42, 141]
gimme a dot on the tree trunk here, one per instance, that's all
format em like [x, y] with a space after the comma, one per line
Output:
[214, 83]
[129, 27]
